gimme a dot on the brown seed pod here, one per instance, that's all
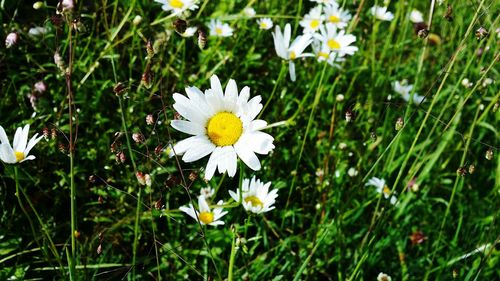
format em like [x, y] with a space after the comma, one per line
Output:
[180, 25]
[449, 13]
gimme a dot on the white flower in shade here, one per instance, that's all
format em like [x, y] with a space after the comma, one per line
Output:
[207, 192]
[352, 172]
[37, 31]
[290, 52]
[249, 12]
[190, 31]
[381, 187]
[256, 196]
[313, 20]
[404, 90]
[178, 6]
[222, 125]
[205, 215]
[381, 13]
[20, 152]
[11, 39]
[336, 16]
[337, 42]
[416, 16]
[217, 28]
[383, 277]
[265, 23]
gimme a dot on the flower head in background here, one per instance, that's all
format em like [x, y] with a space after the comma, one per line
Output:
[205, 215]
[383, 277]
[323, 53]
[335, 41]
[290, 52]
[256, 196]
[381, 187]
[178, 6]
[223, 125]
[404, 90]
[336, 16]
[217, 28]
[20, 152]
[313, 20]
[207, 192]
[416, 16]
[11, 39]
[265, 23]
[381, 13]
[249, 12]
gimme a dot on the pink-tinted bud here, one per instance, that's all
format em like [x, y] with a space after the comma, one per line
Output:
[11, 39]
[40, 87]
[150, 119]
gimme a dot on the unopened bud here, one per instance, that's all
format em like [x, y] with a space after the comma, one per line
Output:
[99, 249]
[77, 234]
[138, 137]
[46, 133]
[58, 60]
[137, 20]
[472, 168]
[193, 176]
[399, 124]
[149, 49]
[140, 178]
[147, 180]
[423, 33]
[496, 106]
[462, 171]
[93, 179]
[158, 204]
[120, 157]
[150, 119]
[449, 13]
[481, 33]
[119, 88]
[53, 133]
[348, 115]
[62, 148]
[38, 5]
[11, 39]
[147, 77]
[202, 39]
[489, 154]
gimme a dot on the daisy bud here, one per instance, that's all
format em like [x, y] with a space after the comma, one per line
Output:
[138, 137]
[180, 25]
[348, 115]
[399, 124]
[486, 82]
[466, 83]
[383, 277]
[472, 168]
[140, 178]
[120, 88]
[481, 33]
[137, 20]
[40, 87]
[462, 171]
[352, 172]
[11, 39]
[449, 13]
[489, 154]
[150, 119]
[339, 98]
[342, 145]
[193, 176]
[147, 180]
[202, 39]
[38, 5]
[149, 49]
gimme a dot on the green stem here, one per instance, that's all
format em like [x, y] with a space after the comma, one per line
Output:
[280, 77]
[231, 258]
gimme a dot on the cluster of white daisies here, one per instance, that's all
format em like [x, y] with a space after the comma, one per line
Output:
[223, 126]
[324, 29]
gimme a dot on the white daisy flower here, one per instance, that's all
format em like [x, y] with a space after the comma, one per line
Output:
[207, 192]
[265, 23]
[217, 28]
[416, 16]
[313, 20]
[337, 42]
[204, 215]
[404, 90]
[178, 6]
[290, 52]
[249, 12]
[256, 196]
[381, 187]
[336, 16]
[381, 13]
[20, 152]
[383, 277]
[222, 125]
[190, 31]
[323, 53]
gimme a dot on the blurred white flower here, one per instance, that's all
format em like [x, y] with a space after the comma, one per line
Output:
[352, 172]
[20, 152]
[255, 195]
[205, 215]
[381, 13]
[249, 12]
[337, 42]
[404, 90]
[38, 5]
[221, 124]
[466, 83]
[207, 192]
[178, 6]
[381, 187]
[137, 20]
[11, 39]
[336, 16]
[312, 20]
[416, 16]
[217, 28]
[290, 52]
[190, 31]
[265, 23]
[37, 31]
[383, 277]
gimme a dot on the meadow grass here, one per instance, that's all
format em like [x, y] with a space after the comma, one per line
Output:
[81, 210]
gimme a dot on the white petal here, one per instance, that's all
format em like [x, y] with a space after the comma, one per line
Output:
[291, 66]
[197, 97]
[30, 157]
[216, 86]
[257, 125]
[3, 136]
[17, 138]
[188, 143]
[235, 196]
[259, 142]
[188, 127]
[212, 163]
[33, 141]
[7, 153]
[231, 96]
[247, 156]
[188, 109]
[199, 151]
[227, 161]
[189, 210]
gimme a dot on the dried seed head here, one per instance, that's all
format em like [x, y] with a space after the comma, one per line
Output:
[180, 25]
[489, 154]
[449, 13]
[348, 115]
[140, 178]
[99, 249]
[11, 39]
[193, 176]
[399, 124]
[417, 237]
[462, 171]
[150, 120]
[149, 49]
[46, 133]
[119, 88]
[138, 137]
[496, 106]
[481, 33]
[472, 168]
[158, 204]
[423, 33]
[202, 39]
[147, 77]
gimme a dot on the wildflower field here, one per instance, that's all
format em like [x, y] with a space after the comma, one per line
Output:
[249, 140]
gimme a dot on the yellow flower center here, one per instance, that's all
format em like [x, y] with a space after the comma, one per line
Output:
[386, 190]
[218, 30]
[332, 44]
[206, 217]
[254, 201]
[19, 155]
[263, 25]
[178, 4]
[224, 129]
[323, 55]
[334, 19]
[314, 24]
[292, 55]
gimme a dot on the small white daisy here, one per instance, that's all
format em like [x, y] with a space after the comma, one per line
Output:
[204, 214]
[256, 196]
[404, 90]
[178, 6]
[383, 277]
[336, 16]
[207, 192]
[249, 12]
[381, 13]
[221, 124]
[190, 31]
[416, 16]
[20, 152]
[337, 42]
[313, 20]
[381, 187]
[290, 52]
[323, 53]
[265, 23]
[217, 28]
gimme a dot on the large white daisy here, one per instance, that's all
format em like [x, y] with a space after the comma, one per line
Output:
[205, 215]
[337, 41]
[222, 125]
[20, 152]
[381, 13]
[336, 16]
[178, 6]
[255, 196]
[313, 20]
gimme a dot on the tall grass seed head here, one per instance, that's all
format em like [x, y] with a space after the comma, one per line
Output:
[202, 39]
